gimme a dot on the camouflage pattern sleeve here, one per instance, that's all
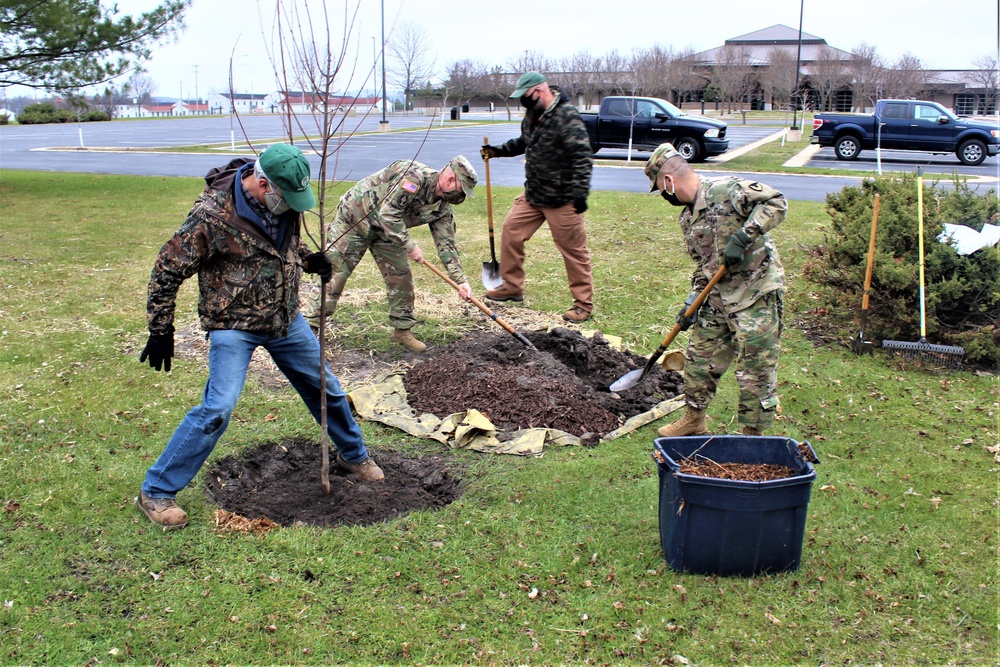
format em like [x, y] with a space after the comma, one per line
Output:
[392, 213]
[444, 232]
[763, 207]
[179, 259]
[576, 142]
[514, 147]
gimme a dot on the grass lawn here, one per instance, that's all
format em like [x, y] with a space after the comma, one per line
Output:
[899, 562]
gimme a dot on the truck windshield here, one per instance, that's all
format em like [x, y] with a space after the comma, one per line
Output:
[671, 109]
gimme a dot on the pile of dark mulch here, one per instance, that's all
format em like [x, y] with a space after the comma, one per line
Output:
[281, 481]
[562, 385]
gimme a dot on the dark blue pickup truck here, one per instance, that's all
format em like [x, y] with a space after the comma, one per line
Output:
[646, 122]
[907, 125]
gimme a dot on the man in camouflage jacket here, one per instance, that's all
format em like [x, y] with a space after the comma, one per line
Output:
[558, 164]
[242, 240]
[376, 216]
[727, 221]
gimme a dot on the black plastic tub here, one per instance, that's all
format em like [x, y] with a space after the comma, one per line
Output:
[728, 527]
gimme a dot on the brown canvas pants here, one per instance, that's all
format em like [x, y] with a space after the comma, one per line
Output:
[569, 235]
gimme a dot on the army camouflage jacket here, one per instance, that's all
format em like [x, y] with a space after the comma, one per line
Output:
[722, 207]
[402, 196]
[244, 281]
[558, 160]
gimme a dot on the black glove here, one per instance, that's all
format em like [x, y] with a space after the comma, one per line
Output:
[318, 262]
[682, 319]
[736, 249]
[488, 152]
[580, 204]
[159, 349]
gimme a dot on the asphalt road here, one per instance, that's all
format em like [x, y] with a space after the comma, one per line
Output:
[75, 147]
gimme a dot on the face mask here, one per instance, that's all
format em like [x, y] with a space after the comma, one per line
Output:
[275, 203]
[453, 196]
[671, 197]
[528, 102]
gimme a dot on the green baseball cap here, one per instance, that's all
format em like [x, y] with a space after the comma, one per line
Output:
[655, 162]
[467, 176]
[526, 81]
[286, 167]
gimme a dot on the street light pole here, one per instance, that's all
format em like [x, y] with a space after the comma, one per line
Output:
[798, 67]
[384, 125]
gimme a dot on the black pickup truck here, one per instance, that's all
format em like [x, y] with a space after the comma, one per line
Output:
[649, 122]
[908, 125]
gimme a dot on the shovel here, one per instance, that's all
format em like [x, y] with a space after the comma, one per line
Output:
[479, 304]
[632, 378]
[491, 269]
[859, 345]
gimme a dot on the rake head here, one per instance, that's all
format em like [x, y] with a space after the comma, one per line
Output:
[926, 354]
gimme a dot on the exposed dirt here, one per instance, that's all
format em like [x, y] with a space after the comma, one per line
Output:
[562, 385]
[281, 481]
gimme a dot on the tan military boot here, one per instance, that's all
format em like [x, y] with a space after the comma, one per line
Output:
[406, 338]
[367, 469]
[750, 430]
[692, 423]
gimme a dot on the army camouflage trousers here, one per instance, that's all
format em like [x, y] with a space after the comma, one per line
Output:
[751, 337]
[347, 252]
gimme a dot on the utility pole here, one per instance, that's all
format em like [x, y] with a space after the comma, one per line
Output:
[196, 98]
[798, 67]
[383, 126]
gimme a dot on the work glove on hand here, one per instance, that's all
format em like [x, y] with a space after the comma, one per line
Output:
[580, 204]
[318, 262]
[682, 319]
[488, 152]
[736, 249]
[159, 349]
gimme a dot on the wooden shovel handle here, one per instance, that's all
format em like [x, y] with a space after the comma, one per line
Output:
[479, 304]
[489, 192]
[693, 308]
[871, 254]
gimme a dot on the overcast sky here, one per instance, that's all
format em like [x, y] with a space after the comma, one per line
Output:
[943, 35]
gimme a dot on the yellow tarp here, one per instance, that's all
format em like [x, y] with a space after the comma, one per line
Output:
[385, 401]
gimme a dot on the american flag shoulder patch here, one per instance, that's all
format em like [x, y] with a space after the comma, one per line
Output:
[409, 187]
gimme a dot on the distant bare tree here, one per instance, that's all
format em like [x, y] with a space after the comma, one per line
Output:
[905, 79]
[734, 74]
[466, 79]
[529, 61]
[586, 71]
[778, 80]
[140, 87]
[411, 63]
[498, 84]
[616, 74]
[987, 77]
[865, 72]
[686, 80]
[653, 69]
[828, 75]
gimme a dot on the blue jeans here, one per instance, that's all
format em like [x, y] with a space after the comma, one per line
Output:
[297, 356]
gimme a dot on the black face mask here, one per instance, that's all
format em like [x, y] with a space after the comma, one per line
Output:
[671, 197]
[528, 102]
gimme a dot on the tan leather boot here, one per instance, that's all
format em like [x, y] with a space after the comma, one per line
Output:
[164, 512]
[406, 338]
[750, 430]
[692, 423]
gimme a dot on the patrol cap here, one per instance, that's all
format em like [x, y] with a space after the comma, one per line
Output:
[662, 153]
[466, 174]
[286, 167]
[527, 80]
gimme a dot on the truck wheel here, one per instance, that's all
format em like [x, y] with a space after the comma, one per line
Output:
[689, 149]
[847, 147]
[971, 152]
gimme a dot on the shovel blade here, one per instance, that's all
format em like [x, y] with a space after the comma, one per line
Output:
[859, 346]
[627, 381]
[491, 275]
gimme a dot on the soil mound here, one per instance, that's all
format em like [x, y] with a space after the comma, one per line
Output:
[562, 385]
[281, 481]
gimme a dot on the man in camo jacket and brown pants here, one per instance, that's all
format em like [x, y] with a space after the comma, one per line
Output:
[376, 216]
[557, 164]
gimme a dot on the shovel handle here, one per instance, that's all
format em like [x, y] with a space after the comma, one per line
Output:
[871, 253]
[693, 308]
[489, 193]
[479, 304]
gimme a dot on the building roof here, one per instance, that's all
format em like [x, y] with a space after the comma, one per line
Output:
[776, 34]
[758, 45]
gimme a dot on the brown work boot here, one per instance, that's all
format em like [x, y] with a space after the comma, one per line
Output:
[504, 293]
[576, 314]
[750, 430]
[367, 470]
[692, 423]
[406, 338]
[164, 512]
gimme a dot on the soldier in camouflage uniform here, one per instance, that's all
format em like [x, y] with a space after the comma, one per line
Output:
[376, 215]
[558, 163]
[242, 240]
[726, 221]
